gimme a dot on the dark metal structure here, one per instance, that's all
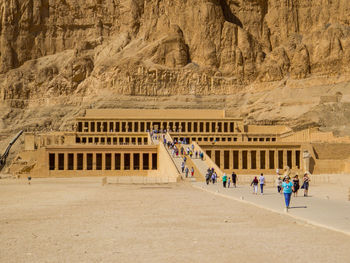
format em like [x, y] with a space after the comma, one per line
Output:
[7, 151]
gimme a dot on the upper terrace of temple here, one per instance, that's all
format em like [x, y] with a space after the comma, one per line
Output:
[164, 114]
[174, 120]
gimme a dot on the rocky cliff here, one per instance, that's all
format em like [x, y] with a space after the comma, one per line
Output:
[260, 59]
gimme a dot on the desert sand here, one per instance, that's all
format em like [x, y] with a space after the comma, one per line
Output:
[79, 220]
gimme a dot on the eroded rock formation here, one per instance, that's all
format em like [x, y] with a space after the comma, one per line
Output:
[68, 51]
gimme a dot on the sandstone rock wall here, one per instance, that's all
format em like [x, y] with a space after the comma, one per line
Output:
[228, 43]
[69, 52]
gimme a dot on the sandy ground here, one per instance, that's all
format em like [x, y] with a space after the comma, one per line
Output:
[78, 220]
[330, 191]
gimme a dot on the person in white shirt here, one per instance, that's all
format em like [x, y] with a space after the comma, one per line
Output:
[262, 182]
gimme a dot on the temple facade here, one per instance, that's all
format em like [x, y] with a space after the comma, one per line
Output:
[119, 142]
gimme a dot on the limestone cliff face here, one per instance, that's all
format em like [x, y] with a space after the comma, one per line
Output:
[53, 49]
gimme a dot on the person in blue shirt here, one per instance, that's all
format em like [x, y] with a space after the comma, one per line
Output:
[287, 187]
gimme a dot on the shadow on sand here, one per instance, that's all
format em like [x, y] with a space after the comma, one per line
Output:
[292, 207]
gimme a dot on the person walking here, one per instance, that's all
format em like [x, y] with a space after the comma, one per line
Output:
[234, 179]
[228, 182]
[296, 185]
[305, 186]
[192, 172]
[207, 178]
[224, 180]
[213, 178]
[186, 172]
[254, 183]
[262, 183]
[287, 187]
[183, 166]
[279, 184]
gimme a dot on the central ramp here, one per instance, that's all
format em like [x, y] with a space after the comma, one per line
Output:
[199, 165]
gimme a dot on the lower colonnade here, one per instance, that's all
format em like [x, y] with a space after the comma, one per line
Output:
[252, 159]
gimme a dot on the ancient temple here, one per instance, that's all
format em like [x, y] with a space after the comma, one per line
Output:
[120, 142]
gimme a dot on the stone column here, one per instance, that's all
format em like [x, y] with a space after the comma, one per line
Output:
[240, 163]
[103, 161]
[249, 159]
[56, 161]
[141, 160]
[306, 161]
[267, 159]
[85, 161]
[258, 165]
[122, 161]
[276, 159]
[131, 161]
[285, 163]
[66, 161]
[94, 161]
[150, 161]
[222, 155]
[75, 161]
[112, 161]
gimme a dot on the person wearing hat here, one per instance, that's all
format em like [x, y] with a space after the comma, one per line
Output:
[287, 187]
[279, 184]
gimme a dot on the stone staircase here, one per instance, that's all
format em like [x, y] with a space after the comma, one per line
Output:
[200, 166]
[176, 160]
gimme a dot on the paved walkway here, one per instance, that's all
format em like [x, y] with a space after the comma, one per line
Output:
[331, 214]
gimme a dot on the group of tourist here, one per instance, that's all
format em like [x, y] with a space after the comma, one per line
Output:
[295, 183]
[288, 187]
[260, 181]
[184, 168]
[178, 150]
[211, 176]
[285, 186]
